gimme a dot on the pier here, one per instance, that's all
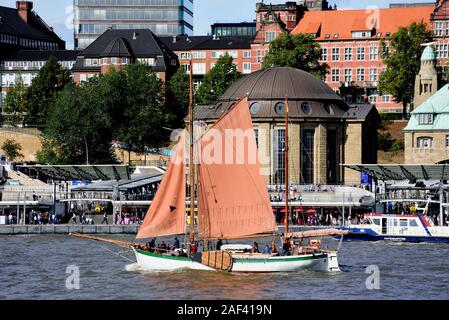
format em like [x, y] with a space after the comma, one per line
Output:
[95, 229]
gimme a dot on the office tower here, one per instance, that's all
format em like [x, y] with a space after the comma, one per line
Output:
[163, 17]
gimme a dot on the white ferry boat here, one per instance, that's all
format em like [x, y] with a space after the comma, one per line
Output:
[406, 228]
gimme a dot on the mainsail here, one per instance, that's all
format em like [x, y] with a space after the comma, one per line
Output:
[233, 200]
[166, 215]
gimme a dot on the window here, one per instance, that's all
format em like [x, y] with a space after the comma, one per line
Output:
[246, 67]
[216, 54]
[185, 55]
[335, 75]
[255, 108]
[373, 53]
[376, 222]
[246, 54]
[425, 118]
[270, 36]
[373, 74]
[335, 54]
[348, 75]
[413, 223]
[403, 222]
[307, 155]
[373, 98]
[447, 141]
[386, 98]
[305, 107]
[279, 156]
[199, 55]
[323, 54]
[279, 108]
[360, 53]
[199, 68]
[360, 74]
[424, 142]
[348, 54]
[113, 60]
[124, 61]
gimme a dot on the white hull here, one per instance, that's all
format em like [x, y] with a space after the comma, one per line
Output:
[326, 262]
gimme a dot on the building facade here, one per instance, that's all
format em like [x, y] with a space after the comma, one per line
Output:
[26, 43]
[351, 44]
[26, 65]
[163, 17]
[324, 131]
[234, 29]
[22, 28]
[115, 49]
[204, 52]
[427, 133]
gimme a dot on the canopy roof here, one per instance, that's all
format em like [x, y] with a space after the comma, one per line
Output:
[401, 172]
[83, 172]
[136, 181]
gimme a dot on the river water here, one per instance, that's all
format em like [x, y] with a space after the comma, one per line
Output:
[34, 267]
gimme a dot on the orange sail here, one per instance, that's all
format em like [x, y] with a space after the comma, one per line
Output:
[233, 199]
[166, 215]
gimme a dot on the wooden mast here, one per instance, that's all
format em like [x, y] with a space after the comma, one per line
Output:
[191, 170]
[287, 187]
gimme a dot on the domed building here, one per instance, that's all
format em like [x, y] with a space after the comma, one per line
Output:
[324, 131]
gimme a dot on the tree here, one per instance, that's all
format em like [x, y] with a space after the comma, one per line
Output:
[12, 150]
[299, 51]
[402, 60]
[78, 128]
[51, 78]
[123, 106]
[217, 81]
[178, 95]
[144, 116]
[15, 102]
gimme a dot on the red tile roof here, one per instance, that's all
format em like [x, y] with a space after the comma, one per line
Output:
[343, 22]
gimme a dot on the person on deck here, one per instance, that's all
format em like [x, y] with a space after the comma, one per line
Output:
[267, 249]
[176, 244]
[255, 248]
[286, 247]
[219, 244]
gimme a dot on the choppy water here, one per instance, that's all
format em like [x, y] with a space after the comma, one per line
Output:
[34, 267]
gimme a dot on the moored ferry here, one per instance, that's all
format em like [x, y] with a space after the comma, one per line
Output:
[405, 228]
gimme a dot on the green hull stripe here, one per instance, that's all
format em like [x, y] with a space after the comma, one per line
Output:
[239, 260]
[164, 257]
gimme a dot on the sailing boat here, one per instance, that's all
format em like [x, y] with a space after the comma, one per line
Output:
[233, 203]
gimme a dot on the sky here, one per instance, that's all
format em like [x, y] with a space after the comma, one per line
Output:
[58, 13]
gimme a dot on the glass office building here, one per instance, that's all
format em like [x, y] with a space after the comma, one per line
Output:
[163, 17]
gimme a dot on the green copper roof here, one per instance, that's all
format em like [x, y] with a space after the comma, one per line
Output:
[428, 54]
[438, 105]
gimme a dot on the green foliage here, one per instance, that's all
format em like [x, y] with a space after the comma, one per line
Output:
[397, 145]
[12, 150]
[217, 81]
[52, 78]
[178, 95]
[402, 60]
[299, 51]
[15, 102]
[125, 106]
[384, 140]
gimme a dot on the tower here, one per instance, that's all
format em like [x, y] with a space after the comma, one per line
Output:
[426, 83]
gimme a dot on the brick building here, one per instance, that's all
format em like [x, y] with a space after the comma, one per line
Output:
[114, 49]
[351, 45]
